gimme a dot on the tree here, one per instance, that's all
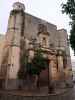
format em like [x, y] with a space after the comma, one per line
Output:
[38, 64]
[34, 67]
[69, 9]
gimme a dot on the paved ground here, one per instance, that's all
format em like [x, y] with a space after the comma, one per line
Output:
[68, 94]
[36, 92]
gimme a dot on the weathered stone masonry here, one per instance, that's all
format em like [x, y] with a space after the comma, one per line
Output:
[34, 33]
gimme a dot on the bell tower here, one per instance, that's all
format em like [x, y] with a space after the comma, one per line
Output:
[15, 32]
[43, 36]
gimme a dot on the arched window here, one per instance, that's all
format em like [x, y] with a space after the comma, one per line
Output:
[44, 41]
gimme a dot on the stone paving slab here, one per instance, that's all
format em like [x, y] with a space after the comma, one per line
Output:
[67, 95]
[38, 92]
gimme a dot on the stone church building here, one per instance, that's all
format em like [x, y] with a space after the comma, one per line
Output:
[27, 33]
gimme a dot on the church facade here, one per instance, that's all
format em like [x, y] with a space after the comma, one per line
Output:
[27, 33]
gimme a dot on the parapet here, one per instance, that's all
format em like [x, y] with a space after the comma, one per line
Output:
[62, 30]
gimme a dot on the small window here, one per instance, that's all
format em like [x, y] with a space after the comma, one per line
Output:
[44, 41]
[51, 45]
[19, 6]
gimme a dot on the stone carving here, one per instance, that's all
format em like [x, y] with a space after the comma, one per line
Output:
[42, 28]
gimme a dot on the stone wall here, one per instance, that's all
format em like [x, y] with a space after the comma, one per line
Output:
[1, 47]
[31, 28]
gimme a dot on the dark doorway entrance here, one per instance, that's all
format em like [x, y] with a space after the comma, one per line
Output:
[2, 83]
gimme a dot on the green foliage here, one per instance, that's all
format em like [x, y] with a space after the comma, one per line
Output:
[31, 70]
[72, 37]
[69, 9]
[34, 67]
[38, 63]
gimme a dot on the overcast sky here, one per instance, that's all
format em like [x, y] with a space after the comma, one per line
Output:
[49, 10]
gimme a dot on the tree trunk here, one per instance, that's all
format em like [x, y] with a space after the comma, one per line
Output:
[36, 81]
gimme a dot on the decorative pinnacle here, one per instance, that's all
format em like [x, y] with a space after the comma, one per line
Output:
[18, 6]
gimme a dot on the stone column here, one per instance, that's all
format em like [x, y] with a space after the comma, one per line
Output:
[31, 52]
[51, 64]
[15, 32]
[52, 73]
[61, 73]
[53, 67]
[60, 61]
